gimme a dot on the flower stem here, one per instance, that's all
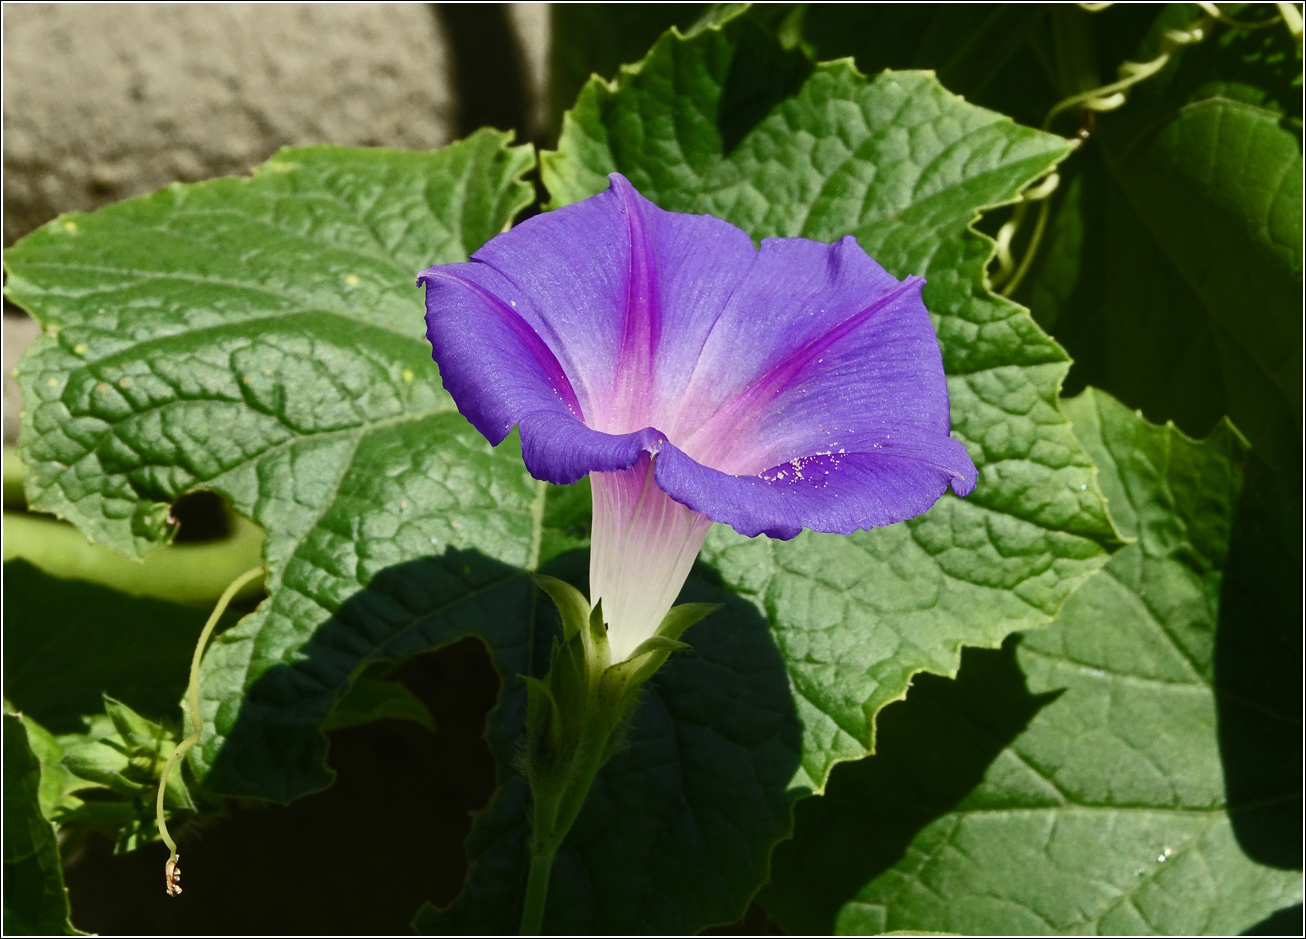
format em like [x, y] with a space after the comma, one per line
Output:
[557, 803]
[574, 717]
[537, 887]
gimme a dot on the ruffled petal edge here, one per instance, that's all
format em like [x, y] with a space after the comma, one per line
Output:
[839, 493]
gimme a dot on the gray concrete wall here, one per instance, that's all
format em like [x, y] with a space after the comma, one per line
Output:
[106, 101]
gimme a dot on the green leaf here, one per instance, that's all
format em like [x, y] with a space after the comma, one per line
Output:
[906, 167]
[67, 643]
[968, 45]
[676, 832]
[1196, 188]
[125, 753]
[57, 783]
[392, 527]
[194, 335]
[596, 38]
[1219, 184]
[263, 338]
[35, 902]
[370, 699]
[1135, 768]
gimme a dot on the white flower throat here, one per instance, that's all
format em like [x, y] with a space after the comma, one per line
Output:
[642, 548]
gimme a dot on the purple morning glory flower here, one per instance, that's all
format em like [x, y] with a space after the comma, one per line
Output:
[698, 379]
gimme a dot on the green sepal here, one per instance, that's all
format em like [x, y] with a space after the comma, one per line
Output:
[125, 753]
[99, 761]
[569, 677]
[139, 735]
[556, 705]
[680, 618]
[543, 717]
[576, 719]
[571, 603]
[647, 658]
[598, 654]
[621, 684]
[576, 713]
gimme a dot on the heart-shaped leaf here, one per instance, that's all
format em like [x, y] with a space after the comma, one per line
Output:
[263, 338]
[1134, 769]
[906, 167]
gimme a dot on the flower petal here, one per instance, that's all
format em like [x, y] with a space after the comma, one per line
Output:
[832, 493]
[623, 293]
[491, 360]
[799, 385]
[819, 351]
[559, 449]
[902, 475]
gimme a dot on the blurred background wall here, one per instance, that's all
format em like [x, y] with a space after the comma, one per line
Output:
[107, 101]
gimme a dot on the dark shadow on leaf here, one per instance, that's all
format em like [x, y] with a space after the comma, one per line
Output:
[761, 76]
[1258, 673]
[931, 750]
[68, 642]
[1286, 922]
[597, 38]
[274, 749]
[678, 829]
[354, 860]
[676, 832]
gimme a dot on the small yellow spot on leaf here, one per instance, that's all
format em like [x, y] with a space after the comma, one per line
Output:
[281, 167]
[52, 382]
[124, 382]
[408, 374]
[351, 280]
[70, 226]
[247, 380]
[102, 387]
[79, 349]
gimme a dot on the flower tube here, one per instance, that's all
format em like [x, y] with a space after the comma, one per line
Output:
[695, 379]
